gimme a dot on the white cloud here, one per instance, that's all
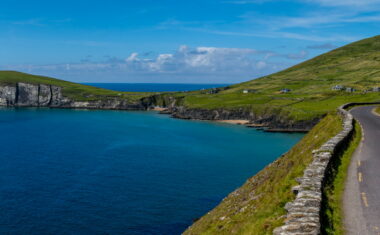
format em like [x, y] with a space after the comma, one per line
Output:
[349, 3]
[329, 3]
[132, 57]
[232, 63]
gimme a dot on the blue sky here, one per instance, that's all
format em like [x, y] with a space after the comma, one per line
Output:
[209, 41]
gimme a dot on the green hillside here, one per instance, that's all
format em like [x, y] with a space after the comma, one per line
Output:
[72, 90]
[356, 65]
[257, 207]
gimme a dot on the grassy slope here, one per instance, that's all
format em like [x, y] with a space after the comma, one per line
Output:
[355, 65]
[76, 91]
[377, 110]
[258, 206]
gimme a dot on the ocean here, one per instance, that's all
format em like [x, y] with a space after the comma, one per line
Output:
[121, 172]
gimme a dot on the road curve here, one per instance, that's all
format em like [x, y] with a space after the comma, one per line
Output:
[361, 200]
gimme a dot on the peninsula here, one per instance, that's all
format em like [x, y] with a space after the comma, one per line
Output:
[301, 98]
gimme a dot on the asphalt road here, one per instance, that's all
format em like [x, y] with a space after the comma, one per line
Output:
[362, 192]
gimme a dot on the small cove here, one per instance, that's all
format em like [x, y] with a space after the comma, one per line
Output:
[118, 172]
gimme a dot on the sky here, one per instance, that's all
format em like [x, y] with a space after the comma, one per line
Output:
[175, 41]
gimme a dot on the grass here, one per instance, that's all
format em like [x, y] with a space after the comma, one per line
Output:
[356, 65]
[377, 110]
[72, 90]
[332, 212]
[258, 206]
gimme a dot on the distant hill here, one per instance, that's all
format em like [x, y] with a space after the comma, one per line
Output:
[72, 90]
[301, 93]
[356, 65]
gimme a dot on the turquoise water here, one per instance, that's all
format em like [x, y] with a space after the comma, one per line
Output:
[117, 172]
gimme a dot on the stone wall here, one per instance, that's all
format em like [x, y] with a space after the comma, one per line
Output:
[303, 215]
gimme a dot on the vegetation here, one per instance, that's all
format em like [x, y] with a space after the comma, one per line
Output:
[258, 206]
[356, 65]
[377, 110]
[72, 90]
[332, 212]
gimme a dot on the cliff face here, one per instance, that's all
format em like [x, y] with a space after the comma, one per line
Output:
[270, 120]
[41, 95]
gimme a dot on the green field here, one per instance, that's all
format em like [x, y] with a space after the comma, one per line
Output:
[72, 90]
[356, 65]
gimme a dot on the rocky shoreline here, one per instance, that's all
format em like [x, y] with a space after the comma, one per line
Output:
[42, 95]
[267, 122]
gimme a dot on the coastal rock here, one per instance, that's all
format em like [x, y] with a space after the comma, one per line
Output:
[56, 96]
[7, 95]
[268, 120]
[44, 95]
[27, 94]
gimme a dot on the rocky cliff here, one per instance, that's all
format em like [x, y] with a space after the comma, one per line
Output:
[41, 95]
[270, 120]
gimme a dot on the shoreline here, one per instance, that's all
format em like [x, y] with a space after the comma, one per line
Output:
[235, 122]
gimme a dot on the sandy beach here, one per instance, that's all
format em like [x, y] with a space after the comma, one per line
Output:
[238, 122]
[159, 109]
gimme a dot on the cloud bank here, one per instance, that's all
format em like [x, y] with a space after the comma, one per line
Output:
[201, 64]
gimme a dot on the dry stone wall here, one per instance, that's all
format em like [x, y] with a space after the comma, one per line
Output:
[303, 215]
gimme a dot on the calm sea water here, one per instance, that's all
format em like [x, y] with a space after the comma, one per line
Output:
[152, 87]
[118, 172]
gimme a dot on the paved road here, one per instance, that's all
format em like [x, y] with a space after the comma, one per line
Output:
[362, 194]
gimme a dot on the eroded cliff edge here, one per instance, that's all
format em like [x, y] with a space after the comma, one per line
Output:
[269, 120]
[42, 95]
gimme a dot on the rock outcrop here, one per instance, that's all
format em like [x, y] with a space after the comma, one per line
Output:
[42, 95]
[27, 95]
[7, 96]
[269, 120]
